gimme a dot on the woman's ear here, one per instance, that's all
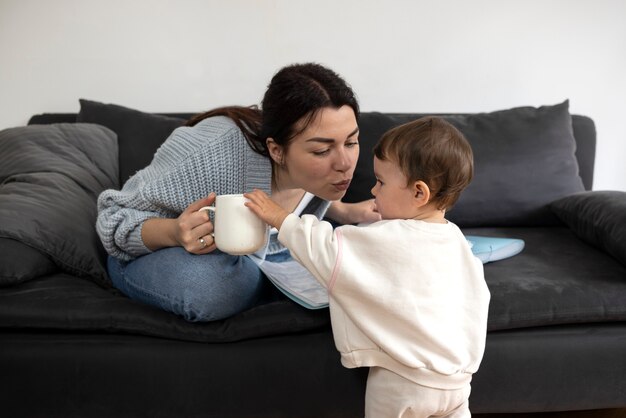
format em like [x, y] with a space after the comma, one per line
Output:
[421, 193]
[275, 150]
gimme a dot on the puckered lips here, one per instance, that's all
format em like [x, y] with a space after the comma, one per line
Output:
[342, 185]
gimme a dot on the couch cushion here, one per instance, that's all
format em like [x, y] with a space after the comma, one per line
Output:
[62, 302]
[19, 262]
[524, 160]
[554, 281]
[50, 177]
[597, 217]
[557, 279]
[139, 134]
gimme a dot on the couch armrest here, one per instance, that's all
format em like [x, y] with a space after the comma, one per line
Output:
[598, 218]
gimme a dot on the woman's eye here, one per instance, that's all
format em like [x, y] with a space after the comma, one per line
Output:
[321, 153]
[352, 144]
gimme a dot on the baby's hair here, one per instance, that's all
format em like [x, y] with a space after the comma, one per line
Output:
[430, 149]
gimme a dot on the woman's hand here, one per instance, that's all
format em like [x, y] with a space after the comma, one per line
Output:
[265, 208]
[353, 213]
[192, 230]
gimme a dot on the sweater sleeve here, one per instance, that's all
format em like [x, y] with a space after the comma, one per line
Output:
[119, 228]
[314, 244]
[212, 156]
[147, 194]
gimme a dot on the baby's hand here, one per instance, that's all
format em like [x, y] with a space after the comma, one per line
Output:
[354, 213]
[265, 208]
[365, 212]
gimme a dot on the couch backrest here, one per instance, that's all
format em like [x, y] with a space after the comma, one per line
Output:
[584, 134]
[525, 157]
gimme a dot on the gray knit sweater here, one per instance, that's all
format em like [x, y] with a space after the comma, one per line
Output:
[212, 156]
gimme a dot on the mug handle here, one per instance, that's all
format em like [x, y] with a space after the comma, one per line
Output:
[208, 209]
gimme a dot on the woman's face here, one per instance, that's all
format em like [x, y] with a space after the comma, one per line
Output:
[322, 158]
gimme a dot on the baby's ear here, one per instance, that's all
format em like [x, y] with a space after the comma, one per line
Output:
[421, 193]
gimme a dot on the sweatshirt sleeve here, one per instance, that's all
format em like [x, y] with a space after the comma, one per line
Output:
[313, 243]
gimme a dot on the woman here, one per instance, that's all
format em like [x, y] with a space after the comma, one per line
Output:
[302, 148]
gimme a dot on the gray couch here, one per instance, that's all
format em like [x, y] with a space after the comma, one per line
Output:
[72, 346]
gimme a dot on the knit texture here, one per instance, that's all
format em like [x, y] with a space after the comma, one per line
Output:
[212, 156]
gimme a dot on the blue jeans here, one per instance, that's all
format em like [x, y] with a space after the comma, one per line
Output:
[198, 287]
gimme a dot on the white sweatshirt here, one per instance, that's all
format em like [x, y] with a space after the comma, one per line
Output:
[405, 295]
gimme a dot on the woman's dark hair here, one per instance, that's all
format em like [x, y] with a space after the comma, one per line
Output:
[248, 119]
[296, 92]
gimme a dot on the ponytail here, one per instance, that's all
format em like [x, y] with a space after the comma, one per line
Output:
[248, 120]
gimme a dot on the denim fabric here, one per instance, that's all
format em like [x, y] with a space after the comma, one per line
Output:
[197, 287]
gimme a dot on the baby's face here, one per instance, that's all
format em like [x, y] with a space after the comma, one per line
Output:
[394, 199]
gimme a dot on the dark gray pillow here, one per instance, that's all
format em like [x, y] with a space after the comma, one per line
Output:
[524, 160]
[139, 134]
[50, 178]
[19, 262]
[598, 218]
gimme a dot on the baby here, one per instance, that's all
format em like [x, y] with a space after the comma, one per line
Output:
[407, 296]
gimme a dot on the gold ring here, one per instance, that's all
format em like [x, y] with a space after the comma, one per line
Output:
[203, 242]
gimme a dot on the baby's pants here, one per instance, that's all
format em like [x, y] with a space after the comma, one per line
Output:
[389, 395]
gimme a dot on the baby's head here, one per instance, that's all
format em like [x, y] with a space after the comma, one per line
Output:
[430, 158]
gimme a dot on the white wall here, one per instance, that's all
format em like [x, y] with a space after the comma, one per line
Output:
[399, 55]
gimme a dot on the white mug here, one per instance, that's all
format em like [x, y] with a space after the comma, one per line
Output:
[236, 229]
